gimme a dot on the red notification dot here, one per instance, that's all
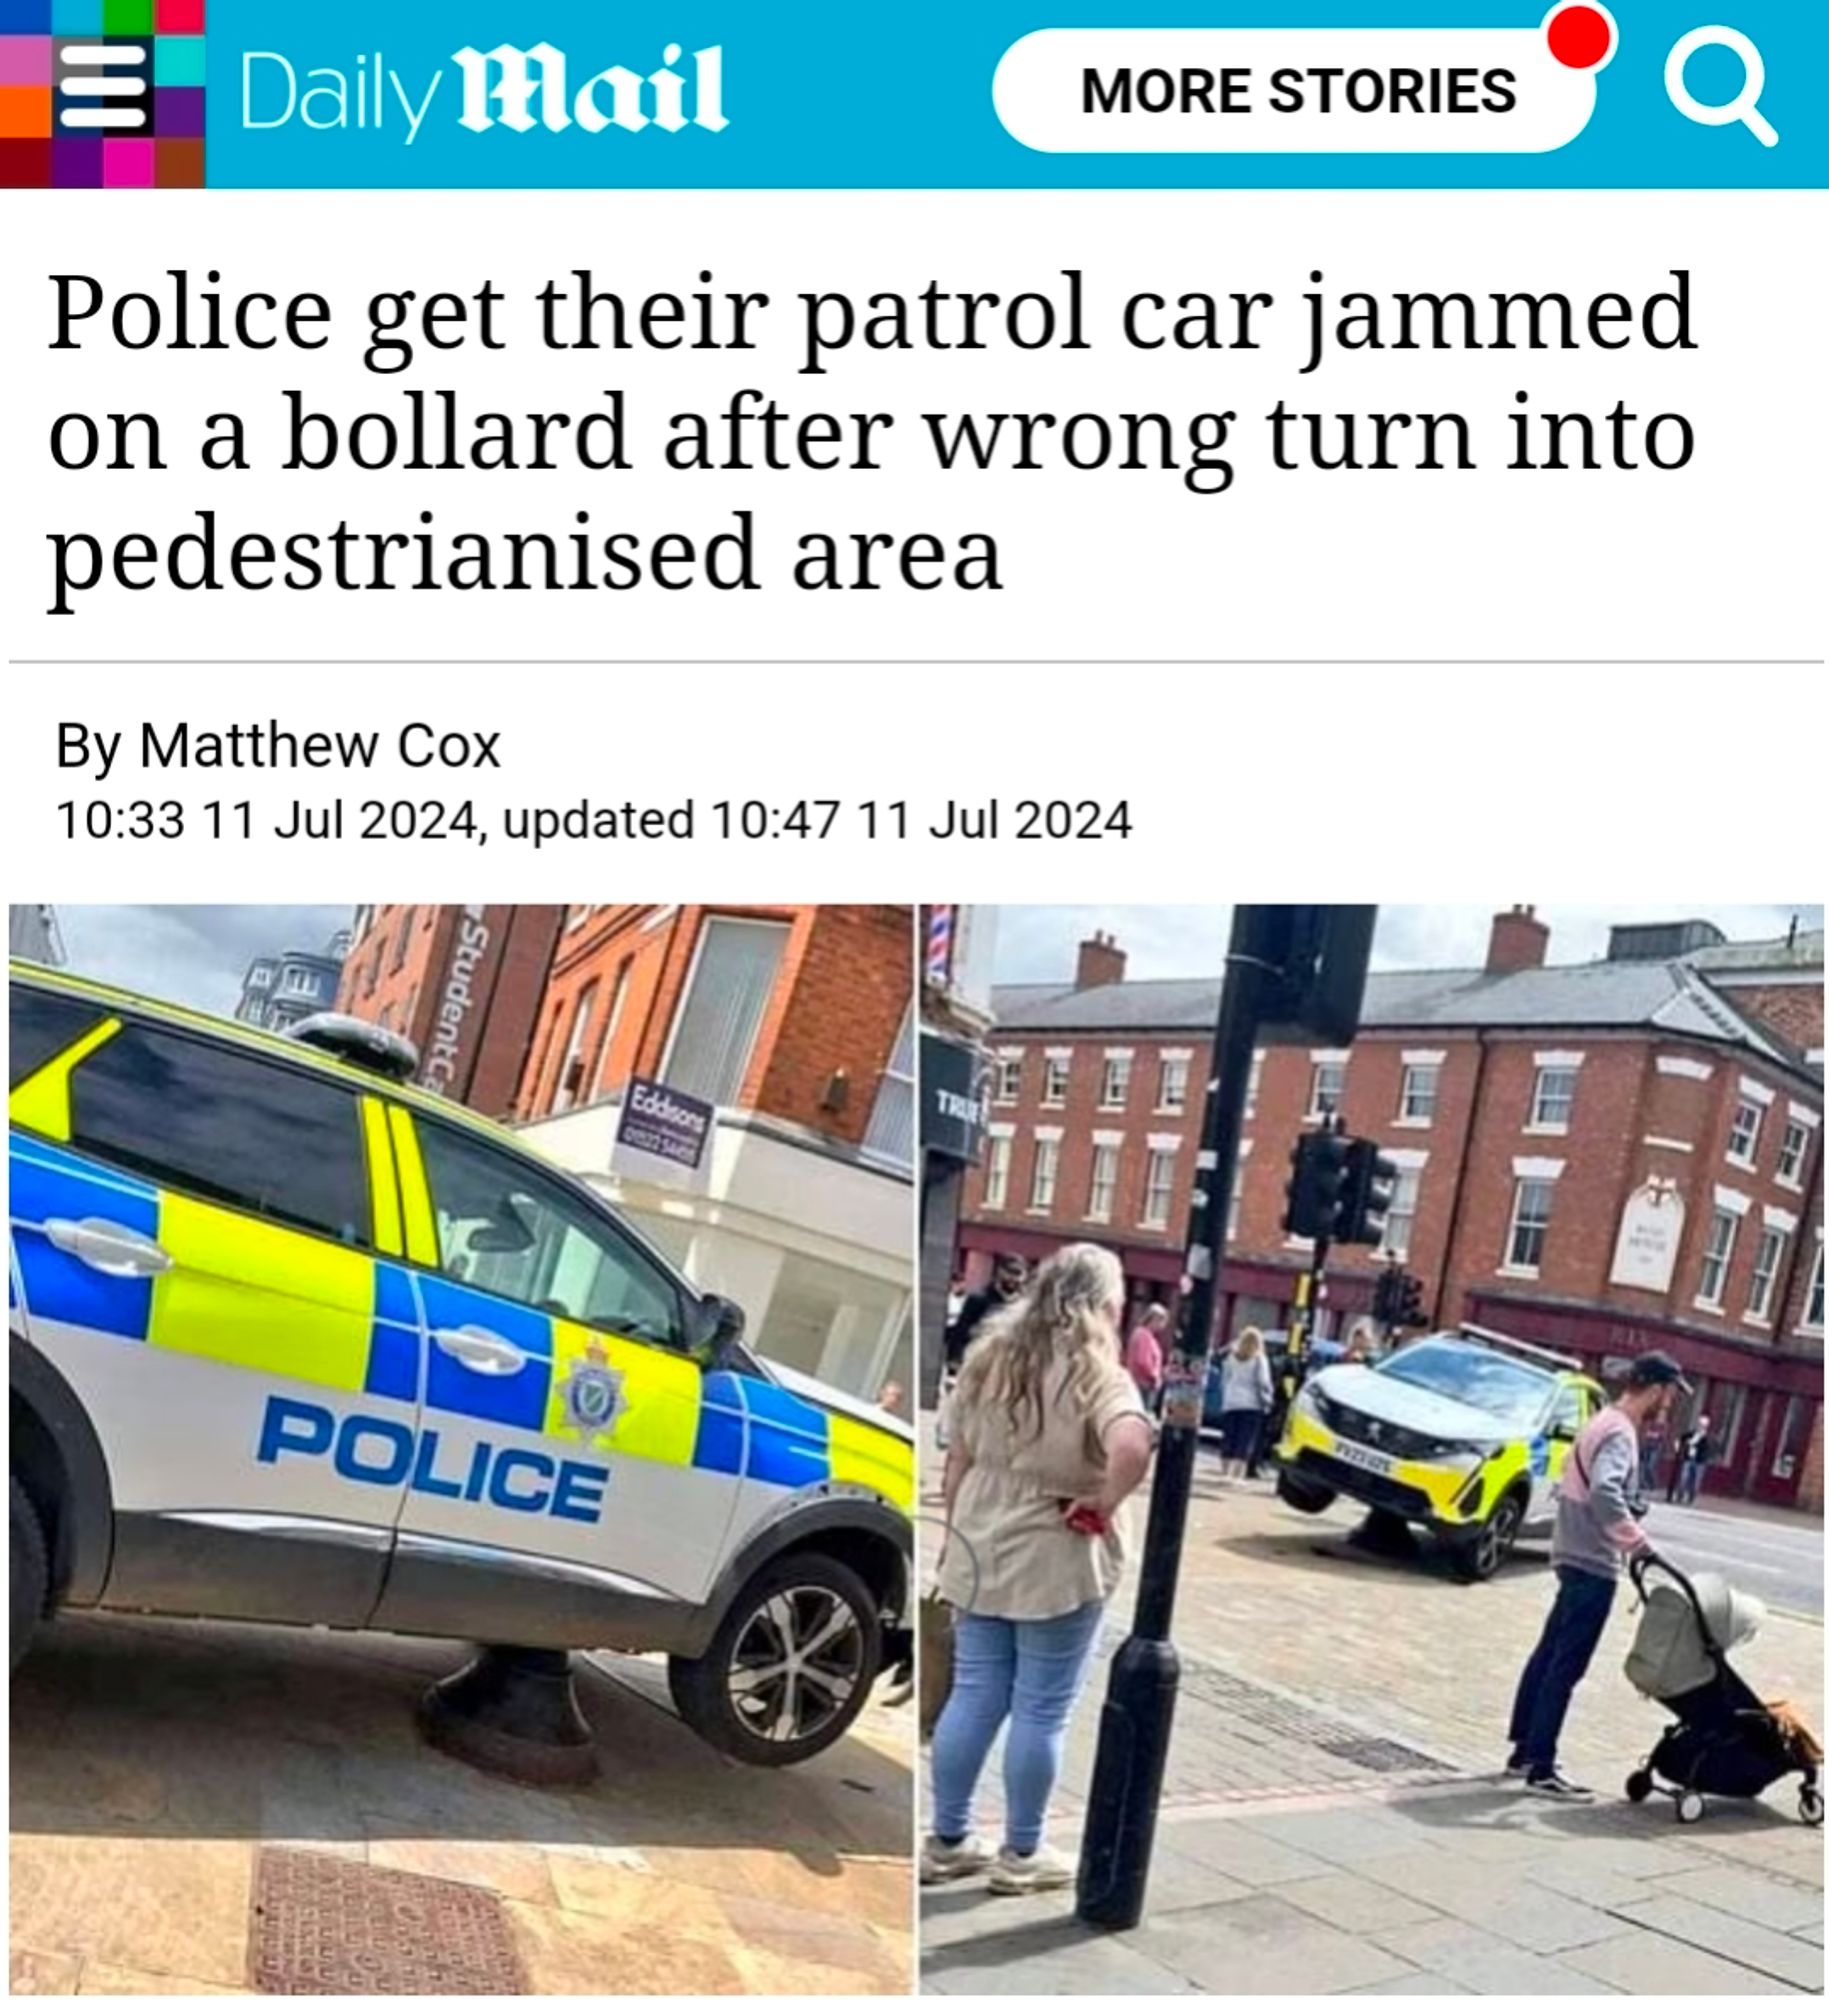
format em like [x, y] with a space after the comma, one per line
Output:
[1580, 37]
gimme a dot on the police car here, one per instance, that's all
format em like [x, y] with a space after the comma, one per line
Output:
[294, 1342]
[1463, 1434]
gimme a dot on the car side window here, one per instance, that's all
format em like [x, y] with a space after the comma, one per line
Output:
[1571, 1410]
[507, 1229]
[41, 1025]
[208, 1120]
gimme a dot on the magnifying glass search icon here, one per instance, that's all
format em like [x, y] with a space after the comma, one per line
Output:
[1740, 109]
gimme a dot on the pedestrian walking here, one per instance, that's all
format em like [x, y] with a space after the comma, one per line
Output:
[1145, 1352]
[1598, 1508]
[1246, 1391]
[1049, 1439]
[1698, 1449]
[1008, 1276]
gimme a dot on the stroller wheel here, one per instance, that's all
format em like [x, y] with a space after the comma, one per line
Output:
[1689, 1807]
[1810, 1806]
[1638, 1786]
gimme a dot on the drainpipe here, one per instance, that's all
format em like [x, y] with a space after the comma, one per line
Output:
[1451, 1243]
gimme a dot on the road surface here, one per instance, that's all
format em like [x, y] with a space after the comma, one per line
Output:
[1775, 1559]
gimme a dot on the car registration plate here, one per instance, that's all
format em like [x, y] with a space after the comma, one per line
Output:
[1367, 1460]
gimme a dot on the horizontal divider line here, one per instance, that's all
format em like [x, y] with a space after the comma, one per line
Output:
[856, 660]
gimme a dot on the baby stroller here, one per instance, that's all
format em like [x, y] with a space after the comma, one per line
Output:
[1724, 1740]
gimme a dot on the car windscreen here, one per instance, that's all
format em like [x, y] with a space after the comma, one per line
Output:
[1490, 1382]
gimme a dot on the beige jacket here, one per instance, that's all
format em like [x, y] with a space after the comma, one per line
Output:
[1030, 1564]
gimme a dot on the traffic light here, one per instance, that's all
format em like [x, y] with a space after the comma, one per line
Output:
[1314, 1188]
[1397, 1298]
[1368, 1187]
[1386, 1295]
[1318, 954]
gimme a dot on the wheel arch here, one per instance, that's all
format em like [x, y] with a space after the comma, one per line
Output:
[868, 1535]
[57, 1458]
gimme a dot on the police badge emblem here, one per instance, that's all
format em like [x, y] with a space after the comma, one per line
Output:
[593, 1395]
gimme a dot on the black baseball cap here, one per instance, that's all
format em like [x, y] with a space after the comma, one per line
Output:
[1654, 1369]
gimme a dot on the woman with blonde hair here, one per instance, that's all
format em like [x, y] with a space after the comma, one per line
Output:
[1049, 1438]
[1246, 1392]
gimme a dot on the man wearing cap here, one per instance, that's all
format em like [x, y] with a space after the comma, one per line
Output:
[1597, 1529]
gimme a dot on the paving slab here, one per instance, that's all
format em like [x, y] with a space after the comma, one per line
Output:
[177, 1907]
[1415, 1982]
[1742, 1892]
[1735, 1938]
[1352, 1903]
[1643, 1962]
[1059, 1957]
[1344, 1833]
[1483, 1963]
[154, 1762]
[1236, 1849]
[1263, 1944]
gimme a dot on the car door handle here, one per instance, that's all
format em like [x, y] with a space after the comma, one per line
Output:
[475, 1347]
[108, 1247]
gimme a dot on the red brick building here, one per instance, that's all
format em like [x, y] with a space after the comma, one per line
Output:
[462, 981]
[790, 1009]
[796, 1022]
[1599, 1157]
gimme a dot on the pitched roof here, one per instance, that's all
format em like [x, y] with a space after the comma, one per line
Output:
[1664, 996]
[1802, 952]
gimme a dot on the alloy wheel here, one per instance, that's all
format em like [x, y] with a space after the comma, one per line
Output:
[796, 1663]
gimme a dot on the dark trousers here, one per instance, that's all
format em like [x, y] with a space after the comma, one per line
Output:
[1553, 1672]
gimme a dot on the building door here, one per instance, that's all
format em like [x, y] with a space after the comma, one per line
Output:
[1774, 1475]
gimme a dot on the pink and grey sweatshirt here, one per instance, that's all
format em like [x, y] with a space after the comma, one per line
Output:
[1595, 1529]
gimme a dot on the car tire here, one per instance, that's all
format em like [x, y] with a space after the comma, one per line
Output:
[1306, 1496]
[750, 1694]
[31, 1572]
[1480, 1558]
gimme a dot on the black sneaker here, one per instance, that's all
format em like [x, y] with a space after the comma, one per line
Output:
[1553, 1785]
[1517, 1765]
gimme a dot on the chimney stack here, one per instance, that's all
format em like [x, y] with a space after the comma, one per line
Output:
[1519, 940]
[1101, 962]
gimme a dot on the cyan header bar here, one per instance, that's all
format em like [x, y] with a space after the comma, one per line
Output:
[991, 94]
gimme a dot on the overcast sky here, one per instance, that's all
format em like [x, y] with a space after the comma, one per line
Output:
[197, 952]
[191, 952]
[1036, 941]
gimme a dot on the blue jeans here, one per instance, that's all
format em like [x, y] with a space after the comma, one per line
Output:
[1554, 1670]
[1030, 1670]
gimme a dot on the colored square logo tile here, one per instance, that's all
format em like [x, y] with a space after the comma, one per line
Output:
[76, 17]
[25, 17]
[25, 163]
[103, 86]
[178, 59]
[76, 163]
[177, 112]
[127, 163]
[25, 59]
[25, 111]
[179, 17]
[127, 17]
[179, 163]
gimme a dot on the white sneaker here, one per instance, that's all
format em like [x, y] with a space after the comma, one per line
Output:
[1015, 1874]
[947, 1860]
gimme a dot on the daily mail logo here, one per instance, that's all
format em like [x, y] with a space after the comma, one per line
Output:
[506, 89]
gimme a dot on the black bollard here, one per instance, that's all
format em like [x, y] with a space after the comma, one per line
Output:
[513, 1712]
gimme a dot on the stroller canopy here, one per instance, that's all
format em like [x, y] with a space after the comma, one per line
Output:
[1669, 1656]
